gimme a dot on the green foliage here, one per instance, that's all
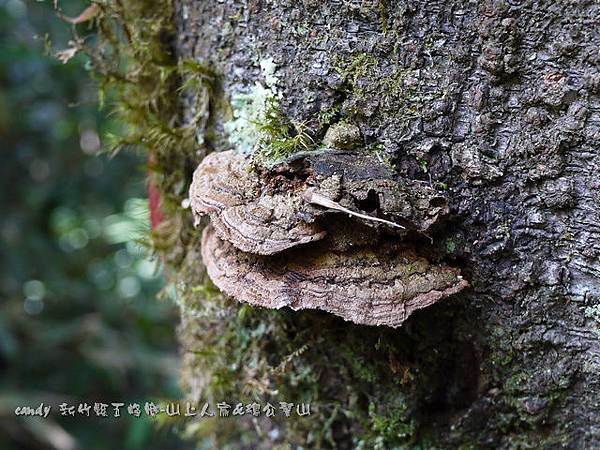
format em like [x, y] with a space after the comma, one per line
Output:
[390, 424]
[326, 117]
[143, 85]
[78, 316]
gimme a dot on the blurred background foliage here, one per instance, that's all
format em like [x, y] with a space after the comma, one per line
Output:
[79, 319]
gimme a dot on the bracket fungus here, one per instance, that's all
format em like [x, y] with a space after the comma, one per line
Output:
[380, 285]
[242, 212]
[279, 238]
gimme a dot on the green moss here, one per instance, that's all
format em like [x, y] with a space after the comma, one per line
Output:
[259, 126]
[343, 135]
[279, 137]
[327, 116]
[368, 85]
[354, 68]
[423, 164]
[390, 425]
[142, 81]
[383, 16]
[450, 245]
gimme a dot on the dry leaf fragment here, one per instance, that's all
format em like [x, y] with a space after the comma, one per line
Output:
[65, 55]
[88, 14]
[316, 198]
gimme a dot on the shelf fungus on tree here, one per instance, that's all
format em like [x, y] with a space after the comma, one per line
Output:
[370, 285]
[279, 237]
[243, 212]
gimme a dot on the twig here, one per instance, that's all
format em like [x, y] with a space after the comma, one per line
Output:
[311, 196]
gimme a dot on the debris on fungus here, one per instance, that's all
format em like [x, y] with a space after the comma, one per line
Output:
[364, 269]
[367, 184]
[370, 285]
[315, 198]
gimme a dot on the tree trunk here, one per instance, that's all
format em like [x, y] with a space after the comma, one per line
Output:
[496, 105]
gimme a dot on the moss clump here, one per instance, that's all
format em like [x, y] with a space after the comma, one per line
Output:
[343, 135]
[327, 116]
[367, 84]
[383, 16]
[354, 68]
[450, 246]
[280, 137]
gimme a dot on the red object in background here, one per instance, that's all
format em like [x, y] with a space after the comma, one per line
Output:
[156, 213]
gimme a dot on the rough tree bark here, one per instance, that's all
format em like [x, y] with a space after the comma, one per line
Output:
[497, 105]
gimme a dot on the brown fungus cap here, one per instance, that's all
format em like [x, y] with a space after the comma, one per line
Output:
[374, 285]
[266, 213]
[243, 211]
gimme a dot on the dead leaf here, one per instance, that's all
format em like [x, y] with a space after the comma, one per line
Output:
[65, 55]
[88, 14]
